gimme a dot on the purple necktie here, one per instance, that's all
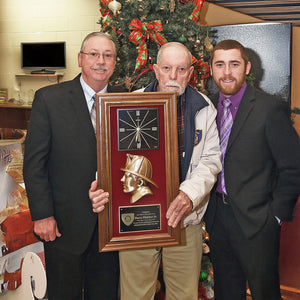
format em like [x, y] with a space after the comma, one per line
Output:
[225, 128]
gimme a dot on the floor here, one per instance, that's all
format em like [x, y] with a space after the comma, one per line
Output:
[286, 295]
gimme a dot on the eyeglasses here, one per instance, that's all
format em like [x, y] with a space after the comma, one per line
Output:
[96, 55]
[179, 70]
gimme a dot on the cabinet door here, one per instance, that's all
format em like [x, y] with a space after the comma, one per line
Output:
[14, 117]
[289, 261]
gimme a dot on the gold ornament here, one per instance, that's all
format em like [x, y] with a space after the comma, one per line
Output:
[208, 45]
[115, 7]
[172, 5]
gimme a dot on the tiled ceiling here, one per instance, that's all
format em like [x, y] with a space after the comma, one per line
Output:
[275, 11]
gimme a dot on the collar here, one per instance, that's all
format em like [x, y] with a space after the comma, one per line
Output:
[193, 97]
[236, 98]
[89, 92]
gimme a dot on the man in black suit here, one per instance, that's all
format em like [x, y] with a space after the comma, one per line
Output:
[60, 163]
[261, 171]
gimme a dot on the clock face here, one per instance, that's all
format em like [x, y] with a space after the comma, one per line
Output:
[138, 129]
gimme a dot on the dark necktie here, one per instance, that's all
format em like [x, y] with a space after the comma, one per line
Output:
[93, 113]
[225, 129]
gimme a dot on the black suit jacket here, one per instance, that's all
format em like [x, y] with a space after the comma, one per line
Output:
[261, 164]
[60, 162]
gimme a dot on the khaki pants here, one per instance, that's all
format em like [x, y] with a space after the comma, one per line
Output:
[181, 269]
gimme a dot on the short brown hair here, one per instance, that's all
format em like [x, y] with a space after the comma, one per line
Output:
[231, 44]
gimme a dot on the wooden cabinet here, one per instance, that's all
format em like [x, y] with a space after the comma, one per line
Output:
[14, 116]
[289, 256]
[17, 116]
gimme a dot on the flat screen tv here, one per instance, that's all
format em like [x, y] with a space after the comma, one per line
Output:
[43, 56]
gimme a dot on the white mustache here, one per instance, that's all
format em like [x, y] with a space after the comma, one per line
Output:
[172, 83]
[100, 68]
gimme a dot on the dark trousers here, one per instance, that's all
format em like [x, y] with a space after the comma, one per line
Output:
[68, 275]
[238, 261]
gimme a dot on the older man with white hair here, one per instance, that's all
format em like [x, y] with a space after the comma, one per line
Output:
[199, 164]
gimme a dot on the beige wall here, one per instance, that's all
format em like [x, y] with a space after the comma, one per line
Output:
[42, 21]
[70, 21]
[214, 15]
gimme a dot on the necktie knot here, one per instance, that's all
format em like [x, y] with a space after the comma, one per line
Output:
[226, 103]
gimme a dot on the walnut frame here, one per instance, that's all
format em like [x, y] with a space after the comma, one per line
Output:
[105, 105]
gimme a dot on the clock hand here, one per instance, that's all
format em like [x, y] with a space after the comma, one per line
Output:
[138, 135]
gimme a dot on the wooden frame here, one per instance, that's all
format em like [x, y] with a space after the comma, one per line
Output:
[111, 160]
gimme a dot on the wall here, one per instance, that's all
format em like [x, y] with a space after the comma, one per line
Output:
[40, 21]
[214, 15]
[296, 74]
[70, 21]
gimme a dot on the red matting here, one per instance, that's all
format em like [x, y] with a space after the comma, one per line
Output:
[157, 159]
[113, 233]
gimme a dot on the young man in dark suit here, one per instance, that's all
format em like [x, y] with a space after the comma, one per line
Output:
[259, 184]
[59, 165]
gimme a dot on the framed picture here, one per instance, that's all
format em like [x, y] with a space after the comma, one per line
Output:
[137, 152]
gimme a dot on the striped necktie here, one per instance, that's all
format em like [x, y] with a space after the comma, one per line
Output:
[93, 113]
[225, 129]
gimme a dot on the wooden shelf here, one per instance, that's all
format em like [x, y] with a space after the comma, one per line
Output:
[57, 76]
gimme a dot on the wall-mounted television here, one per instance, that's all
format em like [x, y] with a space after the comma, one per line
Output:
[43, 58]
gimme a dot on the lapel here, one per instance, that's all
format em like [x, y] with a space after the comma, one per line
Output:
[245, 107]
[82, 120]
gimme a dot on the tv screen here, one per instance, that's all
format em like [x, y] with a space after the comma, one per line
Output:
[43, 56]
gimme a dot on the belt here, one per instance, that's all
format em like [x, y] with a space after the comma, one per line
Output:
[224, 198]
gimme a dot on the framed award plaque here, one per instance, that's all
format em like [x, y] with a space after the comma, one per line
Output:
[137, 164]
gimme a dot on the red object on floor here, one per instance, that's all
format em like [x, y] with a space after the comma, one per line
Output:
[18, 231]
[13, 280]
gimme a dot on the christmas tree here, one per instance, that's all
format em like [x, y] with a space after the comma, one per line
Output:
[140, 27]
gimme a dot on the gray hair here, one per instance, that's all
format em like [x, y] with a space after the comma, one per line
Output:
[97, 34]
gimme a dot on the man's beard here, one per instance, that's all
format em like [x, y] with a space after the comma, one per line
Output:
[171, 83]
[233, 89]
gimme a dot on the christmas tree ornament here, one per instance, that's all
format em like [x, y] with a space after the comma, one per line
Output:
[200, 73]
[182, 39]
[199, 85]
[203, 275]
[105, 18]
[197, 41]
[208, 45]
[115, 7]
[141, 32]
[195, 16]
[172, 6]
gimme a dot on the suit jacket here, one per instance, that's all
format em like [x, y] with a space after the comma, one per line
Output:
[60, 162]
[261, 164]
